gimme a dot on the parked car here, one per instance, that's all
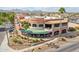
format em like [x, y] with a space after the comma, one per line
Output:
[2, 29]
[11, 29]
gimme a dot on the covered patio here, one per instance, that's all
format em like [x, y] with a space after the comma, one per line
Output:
[37, 33]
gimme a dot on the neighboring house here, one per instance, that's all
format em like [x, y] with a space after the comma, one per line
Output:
[44, 27]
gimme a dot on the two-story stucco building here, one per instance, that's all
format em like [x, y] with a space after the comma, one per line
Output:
[44, 26]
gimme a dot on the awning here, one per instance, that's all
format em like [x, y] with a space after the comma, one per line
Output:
[34, 31]
[39, 32]
[25, 31]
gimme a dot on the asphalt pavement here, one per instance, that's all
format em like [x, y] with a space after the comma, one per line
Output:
[69, 48]
[2, 35]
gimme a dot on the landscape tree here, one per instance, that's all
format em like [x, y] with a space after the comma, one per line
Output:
[62, 10]
[11, 17]
[6, 16]
[25, 25]
[1, 22]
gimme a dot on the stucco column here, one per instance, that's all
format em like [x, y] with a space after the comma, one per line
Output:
[60, 28]
[52, 29]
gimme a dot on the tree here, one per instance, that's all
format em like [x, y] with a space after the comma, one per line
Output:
[62, 10]
[11, 18]
[6, 16]
[1, 22]
[25, 25]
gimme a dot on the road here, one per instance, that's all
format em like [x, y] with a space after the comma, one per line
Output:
[2, 35]
[4, 46]
[71, 47]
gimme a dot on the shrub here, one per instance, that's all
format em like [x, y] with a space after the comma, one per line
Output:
[20, 42]
[77, 27]
[35, 40]
[17, 41]
[71, 29]
[41, 39]
[63, 39]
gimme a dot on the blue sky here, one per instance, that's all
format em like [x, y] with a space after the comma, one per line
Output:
[50, 9]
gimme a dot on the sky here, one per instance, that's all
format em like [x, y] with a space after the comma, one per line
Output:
[49, 9]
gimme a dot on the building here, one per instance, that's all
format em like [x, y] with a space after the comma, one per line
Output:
[44, 26]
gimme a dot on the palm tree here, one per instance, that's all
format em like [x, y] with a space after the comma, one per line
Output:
[62, 10]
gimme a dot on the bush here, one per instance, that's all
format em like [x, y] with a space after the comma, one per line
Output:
[20, 42]
[35, 40]
[63, 39]
[77, 27]
[41, 39]
[17, 41]
[71, 29]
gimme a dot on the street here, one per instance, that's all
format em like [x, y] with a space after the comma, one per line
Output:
[4, 46]
[69, 48]
[2, 35]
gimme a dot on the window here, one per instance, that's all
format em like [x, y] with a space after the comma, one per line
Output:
[40, 25]
[34, 25]
[48, 25]
[56, 25]
[56, 32]
[64, 24]
[63, 31]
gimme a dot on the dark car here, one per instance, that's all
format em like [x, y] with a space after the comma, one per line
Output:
[2, 29]
[11, 29]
